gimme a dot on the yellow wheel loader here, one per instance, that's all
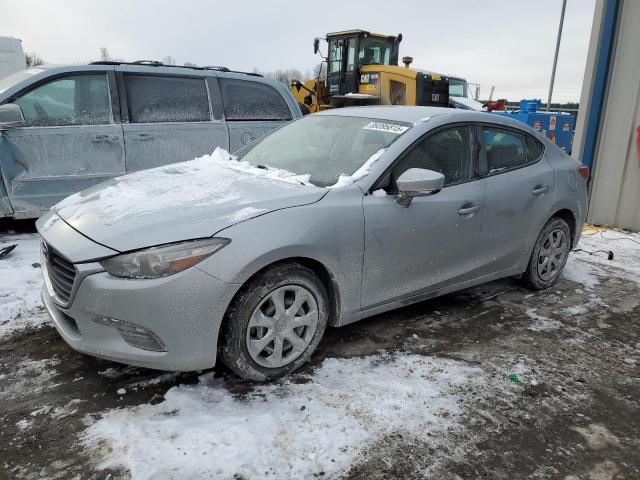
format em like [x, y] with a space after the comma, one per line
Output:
[362, 69]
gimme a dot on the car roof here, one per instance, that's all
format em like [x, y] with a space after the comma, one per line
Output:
[415, 115]
[397, 113]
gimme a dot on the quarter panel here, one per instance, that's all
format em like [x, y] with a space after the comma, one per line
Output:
[243, 132]
[150, 145]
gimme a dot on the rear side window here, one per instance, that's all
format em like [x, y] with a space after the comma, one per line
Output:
[154, 99]
[505, 150]
[73, 100]
[534, 149]
[246, 100]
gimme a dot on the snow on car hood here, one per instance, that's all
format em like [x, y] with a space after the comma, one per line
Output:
[181, 201]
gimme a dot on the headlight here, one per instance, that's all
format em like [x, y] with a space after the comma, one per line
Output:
[163, 260]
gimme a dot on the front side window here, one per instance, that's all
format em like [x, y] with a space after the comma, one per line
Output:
[248, 100]
[66, 101]
[446, 152]
[155, 99]
[505, 150]
[323, 146]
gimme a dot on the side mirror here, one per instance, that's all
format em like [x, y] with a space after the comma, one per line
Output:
[11, 116]
[417, 182]
[316, 45]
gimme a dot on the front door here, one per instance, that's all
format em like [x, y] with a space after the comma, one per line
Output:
[168, 119]
[342, 74]
[433, 242]
[520, 190]
[70, 142]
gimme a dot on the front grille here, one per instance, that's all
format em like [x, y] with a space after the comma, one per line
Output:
[62, 273]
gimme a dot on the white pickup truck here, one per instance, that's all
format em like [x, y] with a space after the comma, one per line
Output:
[11, 56]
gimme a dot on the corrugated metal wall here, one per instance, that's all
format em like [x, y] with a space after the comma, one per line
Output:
[615, 187]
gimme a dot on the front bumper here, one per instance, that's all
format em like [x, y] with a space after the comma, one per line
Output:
[184, 311]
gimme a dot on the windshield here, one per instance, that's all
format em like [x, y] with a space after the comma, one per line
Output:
[374, 51]
[323, 146]
[14, 79]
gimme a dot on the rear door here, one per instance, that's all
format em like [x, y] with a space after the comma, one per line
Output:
[168, 118]
[520, 189]
[252, 109]
[72, 139]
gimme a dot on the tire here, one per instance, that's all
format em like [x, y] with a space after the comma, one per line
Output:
[260, 322]
[553, 245]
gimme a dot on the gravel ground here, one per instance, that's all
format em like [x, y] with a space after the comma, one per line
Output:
[492, 382]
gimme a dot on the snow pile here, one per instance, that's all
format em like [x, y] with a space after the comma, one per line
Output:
[206, 181]
[362, 172]
[287, 430]
[20, 284]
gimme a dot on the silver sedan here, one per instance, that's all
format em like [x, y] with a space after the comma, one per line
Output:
[333, 218]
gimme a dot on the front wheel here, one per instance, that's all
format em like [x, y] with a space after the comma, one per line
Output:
[275, 323]
[549, 255]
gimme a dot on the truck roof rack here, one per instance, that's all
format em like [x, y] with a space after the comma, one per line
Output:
[155, 63]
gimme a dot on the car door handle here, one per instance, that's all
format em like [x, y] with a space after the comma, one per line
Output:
[540, 189]
[105, 139]
[468, 210]
[143, 137]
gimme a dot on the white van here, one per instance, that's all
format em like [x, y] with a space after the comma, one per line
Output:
[11, 56]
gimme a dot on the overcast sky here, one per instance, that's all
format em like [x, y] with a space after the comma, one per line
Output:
[506, 43]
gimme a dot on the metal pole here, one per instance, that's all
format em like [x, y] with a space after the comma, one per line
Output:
[555, 57]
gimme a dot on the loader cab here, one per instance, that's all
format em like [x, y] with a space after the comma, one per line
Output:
[348, 51]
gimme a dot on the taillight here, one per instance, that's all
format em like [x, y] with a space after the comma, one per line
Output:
[584, 171]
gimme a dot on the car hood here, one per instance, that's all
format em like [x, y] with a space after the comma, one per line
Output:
[182, 201]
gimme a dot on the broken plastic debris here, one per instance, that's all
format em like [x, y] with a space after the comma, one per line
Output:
[514, 378]
[121, 391]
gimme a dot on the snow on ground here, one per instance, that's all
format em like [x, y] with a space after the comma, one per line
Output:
[32, 376]
[286, 430]
[542, 323]
[20, 284]
[585, 268]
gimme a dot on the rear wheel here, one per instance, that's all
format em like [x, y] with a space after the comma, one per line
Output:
[549, 255]
[275, 323]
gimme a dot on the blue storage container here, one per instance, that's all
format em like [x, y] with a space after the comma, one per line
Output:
[556, 126]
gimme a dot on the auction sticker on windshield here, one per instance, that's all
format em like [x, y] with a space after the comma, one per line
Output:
[386, 127]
